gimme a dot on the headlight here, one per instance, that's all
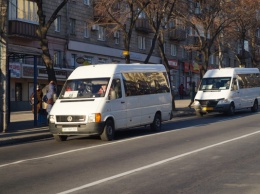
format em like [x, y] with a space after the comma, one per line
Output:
[51, 119]
[223, 101]
[95, 117]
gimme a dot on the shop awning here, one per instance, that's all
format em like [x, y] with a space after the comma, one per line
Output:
[25, 51]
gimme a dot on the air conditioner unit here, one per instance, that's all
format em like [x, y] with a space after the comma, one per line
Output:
[95, 27]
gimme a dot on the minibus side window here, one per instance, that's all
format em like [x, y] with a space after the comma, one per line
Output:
[115, 89]
[234, 84]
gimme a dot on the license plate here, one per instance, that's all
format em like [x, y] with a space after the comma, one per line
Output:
[69, 129]
[207, 108]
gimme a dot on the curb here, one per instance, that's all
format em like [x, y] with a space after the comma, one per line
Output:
[23, 139]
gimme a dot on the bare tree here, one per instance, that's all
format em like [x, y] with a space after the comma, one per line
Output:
[243, 30]
[160, 13]
[207, 19]
[42, 31]
[120, 15]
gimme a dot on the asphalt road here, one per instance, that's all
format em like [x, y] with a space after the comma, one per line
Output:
[213, 154]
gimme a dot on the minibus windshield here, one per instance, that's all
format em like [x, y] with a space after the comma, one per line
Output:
[84, 88]
[215, 83]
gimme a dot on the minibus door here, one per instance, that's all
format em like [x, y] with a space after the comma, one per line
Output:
[236, 93]
[117, 103]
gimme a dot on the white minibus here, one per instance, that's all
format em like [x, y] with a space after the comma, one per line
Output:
[227, 90]
[100, 99]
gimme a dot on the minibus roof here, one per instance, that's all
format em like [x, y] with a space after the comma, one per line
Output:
[107, 70]
[229, 72]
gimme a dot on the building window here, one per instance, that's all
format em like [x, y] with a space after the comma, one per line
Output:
[24, 10]
[173, 50]
[116, 36]
[72, 26]
[88, 60]
[86, 31]
[141, 15]
[164, 47]
[141, 42]
[101, 33]
[57, 58]
[183, 53]
[57, 22]
[86, 2]
[73, 60]
[102, 60]
[258, 33]
[18, 91]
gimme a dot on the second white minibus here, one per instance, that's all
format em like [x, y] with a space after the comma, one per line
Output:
[227, 90]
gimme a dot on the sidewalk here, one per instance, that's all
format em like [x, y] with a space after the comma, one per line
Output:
[22, 129]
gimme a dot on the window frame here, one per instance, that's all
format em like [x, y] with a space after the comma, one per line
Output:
[72, 25]
[101, 33]
[57, 24]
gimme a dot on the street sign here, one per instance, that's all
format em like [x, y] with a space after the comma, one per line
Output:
[80, 60]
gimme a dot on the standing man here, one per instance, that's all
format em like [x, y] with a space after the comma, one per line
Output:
[181, 91]
[192, 93]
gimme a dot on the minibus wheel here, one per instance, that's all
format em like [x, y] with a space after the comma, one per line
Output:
[231, 109]
[254, 108]
[109, 131]
[157, 123]
[60, 137]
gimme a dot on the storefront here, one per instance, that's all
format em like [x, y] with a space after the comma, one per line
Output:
[22, 82]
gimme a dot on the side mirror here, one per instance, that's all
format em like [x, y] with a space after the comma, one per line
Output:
[112, 95]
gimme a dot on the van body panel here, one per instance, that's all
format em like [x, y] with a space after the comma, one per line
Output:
[82, 110]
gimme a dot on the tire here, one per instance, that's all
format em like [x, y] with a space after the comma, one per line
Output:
[254, 108]
[199, 114]
[231, 109]
[60, 138]
[108, 132]
[157, 123]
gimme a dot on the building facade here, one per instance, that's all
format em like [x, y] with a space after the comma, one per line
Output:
[73, 35]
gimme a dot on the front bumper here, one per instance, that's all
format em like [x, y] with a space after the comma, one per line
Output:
[78, 129]
[216, 108]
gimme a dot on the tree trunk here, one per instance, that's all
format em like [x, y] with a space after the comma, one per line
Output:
[166, 64]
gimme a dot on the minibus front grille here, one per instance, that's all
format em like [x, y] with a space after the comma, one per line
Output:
[70, 118]
[208, 103]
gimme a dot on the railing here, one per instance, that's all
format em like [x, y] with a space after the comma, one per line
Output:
[23, 29]
[142, 25]
[177, 35]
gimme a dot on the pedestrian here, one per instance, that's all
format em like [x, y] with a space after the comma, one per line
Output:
[181, 91]
[192, 93]
[39, 99]
[50, 96]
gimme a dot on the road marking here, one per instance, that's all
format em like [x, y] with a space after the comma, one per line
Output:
[154, 164]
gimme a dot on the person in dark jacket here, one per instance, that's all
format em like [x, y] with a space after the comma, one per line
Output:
[192, 93]
[181, 91]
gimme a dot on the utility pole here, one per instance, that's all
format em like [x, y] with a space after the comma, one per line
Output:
[4, 75]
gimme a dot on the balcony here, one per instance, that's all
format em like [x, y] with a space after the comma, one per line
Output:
[177, 35]
[142, 25]
[22, 29]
